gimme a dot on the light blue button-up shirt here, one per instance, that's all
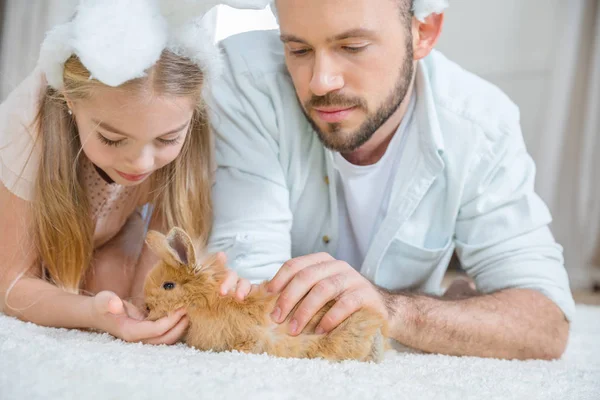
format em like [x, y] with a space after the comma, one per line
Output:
[465, 182]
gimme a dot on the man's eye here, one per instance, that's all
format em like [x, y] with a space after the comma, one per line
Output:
[299, 52]
[168, 286]
[354, 49]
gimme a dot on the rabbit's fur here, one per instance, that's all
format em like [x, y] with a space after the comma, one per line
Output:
[222, 323]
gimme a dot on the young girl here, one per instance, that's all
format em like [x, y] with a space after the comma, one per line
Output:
[91, 152]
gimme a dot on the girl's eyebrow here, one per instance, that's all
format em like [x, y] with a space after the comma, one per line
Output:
[109, 128]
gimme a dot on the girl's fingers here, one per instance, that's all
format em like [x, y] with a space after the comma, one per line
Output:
[173, 335]
[136, 331]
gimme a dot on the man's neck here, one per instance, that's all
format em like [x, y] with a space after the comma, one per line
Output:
[372, 151]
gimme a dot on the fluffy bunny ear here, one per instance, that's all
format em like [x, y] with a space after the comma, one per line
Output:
[176, 248]
[116, 40]
[193, 41]
[424, 8]
[55, 50]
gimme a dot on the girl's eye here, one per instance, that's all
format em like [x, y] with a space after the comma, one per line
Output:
[108, 142]
[168, 142]
[168, 286]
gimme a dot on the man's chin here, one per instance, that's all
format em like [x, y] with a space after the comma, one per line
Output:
[340, 141]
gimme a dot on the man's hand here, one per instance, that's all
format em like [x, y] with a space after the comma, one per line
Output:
[233, 284]
[123, 320]
[321, 278]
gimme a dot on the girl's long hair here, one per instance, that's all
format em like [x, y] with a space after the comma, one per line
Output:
[180, 191]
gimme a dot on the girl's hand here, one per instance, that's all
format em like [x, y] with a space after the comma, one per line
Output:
[124, 321]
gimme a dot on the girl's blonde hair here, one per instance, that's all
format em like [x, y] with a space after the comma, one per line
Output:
[180, 191]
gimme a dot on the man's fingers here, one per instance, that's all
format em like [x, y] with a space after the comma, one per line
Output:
[173, 335]
[342, 309]
[221, 257]
[301, 284]
[243, 289]
[292, 267]
[325, 290]
[229, 283]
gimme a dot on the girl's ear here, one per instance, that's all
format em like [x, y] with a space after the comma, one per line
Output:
[175, 249]
[69, 103]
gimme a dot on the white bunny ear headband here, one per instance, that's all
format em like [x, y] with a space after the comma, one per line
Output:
[424, 8]
[119, 40]
[421, 8]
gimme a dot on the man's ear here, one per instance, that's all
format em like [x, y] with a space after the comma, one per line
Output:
[426, 34]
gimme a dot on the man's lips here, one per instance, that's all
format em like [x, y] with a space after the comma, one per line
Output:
[332, 115]
[132, 178]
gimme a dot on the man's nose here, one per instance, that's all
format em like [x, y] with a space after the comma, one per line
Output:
[325, 78]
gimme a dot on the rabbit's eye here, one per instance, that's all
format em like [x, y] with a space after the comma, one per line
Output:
[168, 286]
[148, 308]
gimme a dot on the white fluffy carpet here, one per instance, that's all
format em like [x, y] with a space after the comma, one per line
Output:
[42, 363]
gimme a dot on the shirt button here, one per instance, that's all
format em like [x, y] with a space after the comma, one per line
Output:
[326, 239]
[326, 179]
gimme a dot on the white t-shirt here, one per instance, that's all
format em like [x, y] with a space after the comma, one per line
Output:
[363, 195]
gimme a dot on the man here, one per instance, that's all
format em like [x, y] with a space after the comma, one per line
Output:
[353, 160]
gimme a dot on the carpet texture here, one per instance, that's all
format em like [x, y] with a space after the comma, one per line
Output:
[44, 363]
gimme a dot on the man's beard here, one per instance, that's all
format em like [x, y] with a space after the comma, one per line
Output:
[334, 138]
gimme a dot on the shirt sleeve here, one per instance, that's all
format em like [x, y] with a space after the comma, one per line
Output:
[502, 233]
[19, 153]
[252, 216]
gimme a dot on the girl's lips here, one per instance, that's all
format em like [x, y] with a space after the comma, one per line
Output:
[132, 178]
[334, 115]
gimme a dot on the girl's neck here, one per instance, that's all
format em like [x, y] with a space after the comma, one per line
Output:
[103, 174]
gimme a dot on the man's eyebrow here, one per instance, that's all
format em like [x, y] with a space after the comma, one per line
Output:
[111, 129]
[352, 33]
[285, 38]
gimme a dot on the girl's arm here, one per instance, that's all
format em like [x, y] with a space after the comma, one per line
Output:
[115, 263]
[25, 296]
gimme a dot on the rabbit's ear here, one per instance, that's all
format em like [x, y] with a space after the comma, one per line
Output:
[182, 247]
[158, 244]
[175, 249]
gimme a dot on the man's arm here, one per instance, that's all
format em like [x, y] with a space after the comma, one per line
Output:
[252, 215]
[504, 244]
[512, 324]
